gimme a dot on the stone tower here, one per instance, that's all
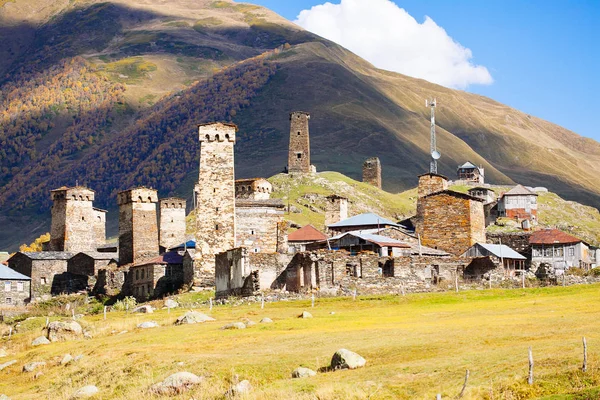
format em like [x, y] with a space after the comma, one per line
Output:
[138, 230]
[72, 227]
[215, 198]
[100, 226]
[299, 151]
[428, 183]
[172, 222]
[336, 209]
[372, 172]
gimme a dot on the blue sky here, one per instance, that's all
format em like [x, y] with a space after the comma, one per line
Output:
[543, 56]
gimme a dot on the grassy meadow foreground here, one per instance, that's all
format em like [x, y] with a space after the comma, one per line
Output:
[415, 346]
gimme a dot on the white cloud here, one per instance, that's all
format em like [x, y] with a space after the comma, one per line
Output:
[390, 38]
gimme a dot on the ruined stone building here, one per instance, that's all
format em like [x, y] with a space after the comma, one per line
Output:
[172, 222]
[518, 203]
[76, 225]
[299, 149]
[356, 242]
[215, 197]
[372, 172]
[138, 229]
[15, 288]
[336, 209]
[470, 173]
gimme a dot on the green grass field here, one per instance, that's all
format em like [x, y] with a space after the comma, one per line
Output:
[416, 346]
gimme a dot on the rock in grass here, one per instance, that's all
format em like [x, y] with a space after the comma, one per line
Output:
[85, 392]
[64, 330]
[305, 314]
[266, 321]
[32, 366]
[147, 325]
[346, 359]
[144, 309]
[193, 317]
[241, 388]
[235, 325]
[40, 341]
[7, 364]
[66, 359]
[170, 303]
[302, 372]
[176, 383]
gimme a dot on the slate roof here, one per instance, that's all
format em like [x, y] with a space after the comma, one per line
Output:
[382, 241]
[501, 251]
[11, 275]
[307, 233]
[552, 236]
[362, 220]
[47, 255]
[520, 190]
[455, 194]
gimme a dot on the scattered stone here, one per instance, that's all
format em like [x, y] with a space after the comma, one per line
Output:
[79, 357]
[170, 303]
[38, 374]
[122, 332]
[87, 335]
[176, 383]
[66, 359]
[332, 313]
[85, 392]
[64, 330]
[40, 341]
[305, 314]
[302, 372]
[241, 388]
[32, 366]
[180, 364]
[249, 323]
[235, 325]
[266, 321]
[147, 325]
[3, 353]
[7, 364]
[78, 316]
[144, 309]
[193, 317]
[346, 359]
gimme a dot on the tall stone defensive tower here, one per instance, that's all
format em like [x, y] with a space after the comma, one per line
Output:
[336, 209]
[299, 150]
[100, 226]
[138, 230]
[215, 198]
[172, 222]
[429, 183]
[372, 172]
[72, 227]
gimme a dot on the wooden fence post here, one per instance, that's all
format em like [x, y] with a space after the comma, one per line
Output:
[530, 379]
[462, 392]
[584, 367]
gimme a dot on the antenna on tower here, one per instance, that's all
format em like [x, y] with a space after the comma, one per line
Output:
[435, 155]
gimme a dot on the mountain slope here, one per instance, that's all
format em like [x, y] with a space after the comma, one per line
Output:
[174, 64]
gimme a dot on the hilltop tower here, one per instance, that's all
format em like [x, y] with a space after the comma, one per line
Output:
[299, 150]
[215, 198]
[336, 209]
[372, 172]
[72, 227]
[172, 222]
[138, 230]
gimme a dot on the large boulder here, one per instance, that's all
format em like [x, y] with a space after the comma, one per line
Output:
[146, 309]
[32, 366]
[346, 359]
[147, 325]
[305, 314]
[66, 359]
[40, 341]
[7, 364]
[241, 388]
[176, 383]
[235, 325]
[64, 330]
[85, 392]
[302, 372]
[193, 317]
[266, 320]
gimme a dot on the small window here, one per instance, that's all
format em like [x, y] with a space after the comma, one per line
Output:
[217, 209]
[20, 287]
[252, 232]
[83, 218]
[7, 287]
[548, 252]
[217, 227]
[43, 280]
[142, 274]
[299, 155]
[8, 300]
[298, 133]
[571, 252]
[137, 274]
[558, 252]
[215, 190]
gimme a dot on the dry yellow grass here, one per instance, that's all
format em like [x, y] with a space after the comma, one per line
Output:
[416, 346]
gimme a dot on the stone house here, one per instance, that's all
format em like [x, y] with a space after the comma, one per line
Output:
[470, 173]
[559, 250]
[87, 265]
[298, 239]
[356, 242]
[260, 225]
[15, 288]
[253, 189]
[452, 221]
[362, 222]
[483, 193]
[518, 203]
[157, 277]
[486, 257]
[46, 270]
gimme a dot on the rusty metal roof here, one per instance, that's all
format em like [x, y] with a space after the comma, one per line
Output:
[552, 236]
[307, 233]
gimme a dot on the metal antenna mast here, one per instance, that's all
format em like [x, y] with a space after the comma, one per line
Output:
[435, 155]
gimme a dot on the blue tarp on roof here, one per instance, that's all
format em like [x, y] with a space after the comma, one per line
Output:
[364, 219]
[190, 244]
[9, 274]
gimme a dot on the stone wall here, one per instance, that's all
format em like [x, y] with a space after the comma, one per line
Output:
[42, 273]
[155, 280]
[215, 197]
[99, 227]
[14, 293]
[372, 172]
[172, 222]
[258, 225]
[336, 209]
[73, 220]
[518, 241]
[299, 149]
[112, 280]
[84, 264]
[428, 183]
[138, 229]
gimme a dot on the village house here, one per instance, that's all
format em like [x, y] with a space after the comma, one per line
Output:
[487, 257]
[470, 173]
[356, 242]
[560, 251]
[158, 276]
[46, 270]
[361, 222]
[299, 239]
[483, 193]
[15, 288]
[518, 203]
[253, 189]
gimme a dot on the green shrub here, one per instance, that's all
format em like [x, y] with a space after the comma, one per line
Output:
[128, 303]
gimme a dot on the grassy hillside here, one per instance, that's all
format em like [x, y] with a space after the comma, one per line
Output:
[415, 346]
